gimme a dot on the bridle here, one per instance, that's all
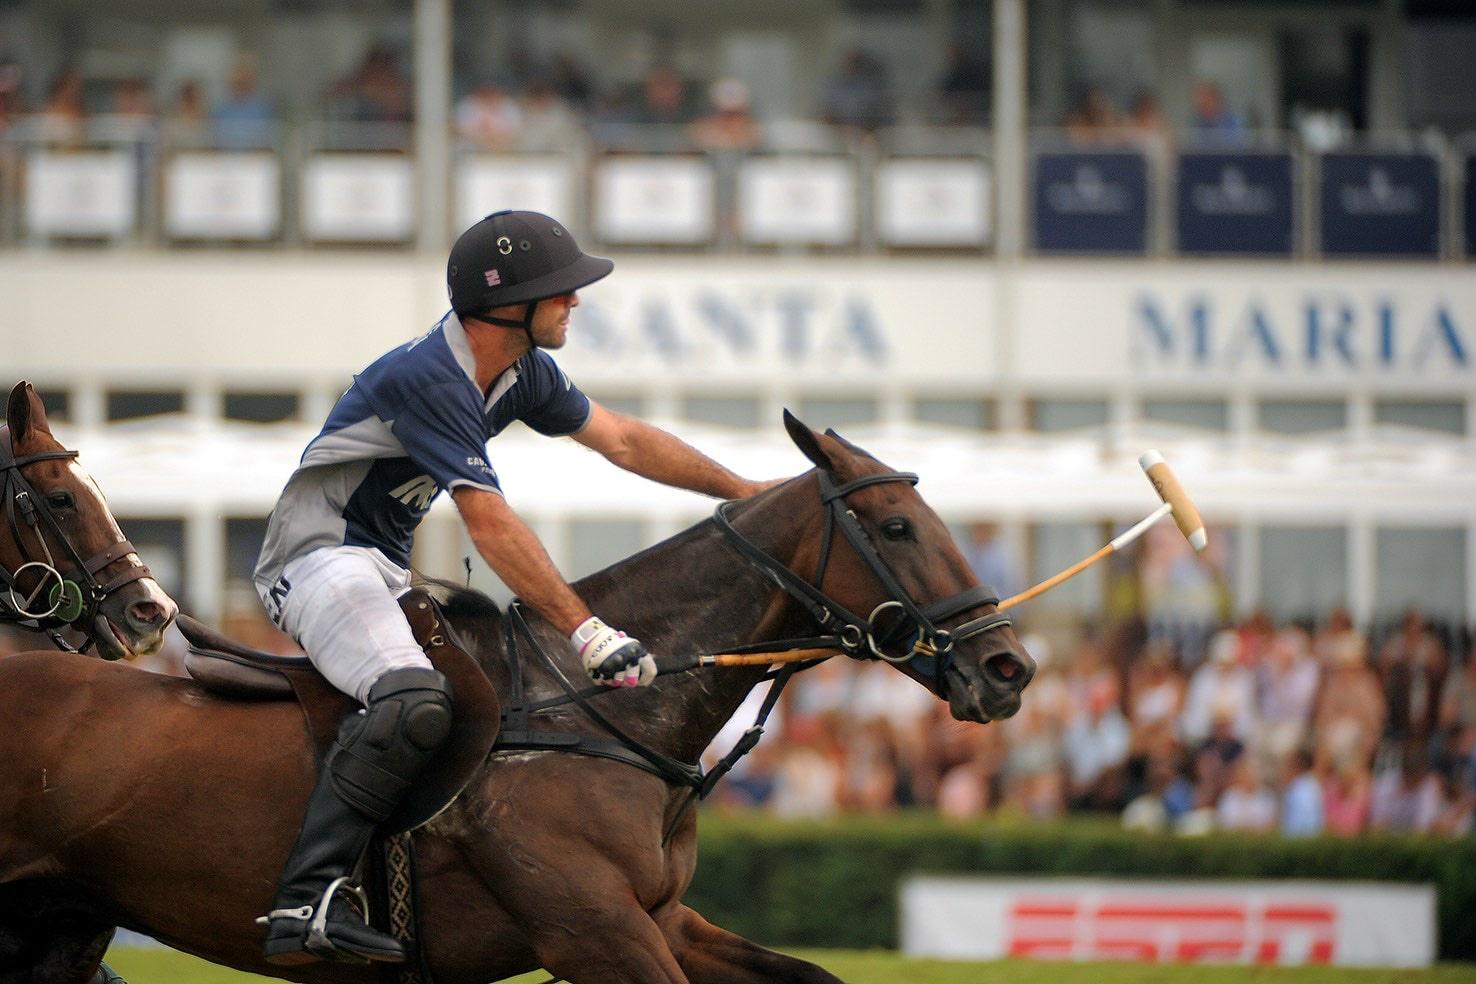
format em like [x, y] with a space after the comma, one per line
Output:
[57, 600]
[931, 649]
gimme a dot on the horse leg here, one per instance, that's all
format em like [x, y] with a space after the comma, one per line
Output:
[711, 955]
[621, 947]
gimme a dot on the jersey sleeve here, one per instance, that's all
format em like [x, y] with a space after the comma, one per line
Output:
[442, 432]
[556, 406]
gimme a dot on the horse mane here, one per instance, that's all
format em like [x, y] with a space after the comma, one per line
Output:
[459, 602]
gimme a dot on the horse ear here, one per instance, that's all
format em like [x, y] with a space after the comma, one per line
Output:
[24, 413]
[808, 442]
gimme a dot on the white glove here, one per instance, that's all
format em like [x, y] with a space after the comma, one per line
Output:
[612, 657]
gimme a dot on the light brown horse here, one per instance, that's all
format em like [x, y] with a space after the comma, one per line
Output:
[128, 799]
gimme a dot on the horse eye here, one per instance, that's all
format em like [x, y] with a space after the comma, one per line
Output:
[59, 500]
[897, 528]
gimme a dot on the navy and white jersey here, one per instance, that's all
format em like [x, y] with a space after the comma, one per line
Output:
[414, 423]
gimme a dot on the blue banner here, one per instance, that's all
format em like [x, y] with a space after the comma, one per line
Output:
[1235, 203]
[1091, 203]
[1470, 209]
[1380, 204]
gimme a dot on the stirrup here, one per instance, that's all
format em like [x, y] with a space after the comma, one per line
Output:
[317, 940]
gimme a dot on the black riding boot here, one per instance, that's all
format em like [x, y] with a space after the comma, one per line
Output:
[318, 914]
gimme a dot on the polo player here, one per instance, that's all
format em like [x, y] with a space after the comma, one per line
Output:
[337, 549]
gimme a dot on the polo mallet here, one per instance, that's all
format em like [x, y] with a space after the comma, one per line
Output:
[1176, 503]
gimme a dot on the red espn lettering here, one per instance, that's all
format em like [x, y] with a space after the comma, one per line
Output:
[1185, 932]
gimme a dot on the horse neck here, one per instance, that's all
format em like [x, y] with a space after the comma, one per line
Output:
[695, 594]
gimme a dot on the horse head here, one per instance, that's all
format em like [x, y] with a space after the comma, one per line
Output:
[63, 559]
[886, 553]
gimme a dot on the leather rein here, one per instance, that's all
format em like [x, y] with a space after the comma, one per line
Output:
[930, 646]
[58, 600]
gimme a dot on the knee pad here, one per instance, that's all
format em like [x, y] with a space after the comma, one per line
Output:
[381, 749]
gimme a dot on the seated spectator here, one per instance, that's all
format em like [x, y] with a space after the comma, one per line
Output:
[1155, 700]
[1405, 800]
[1168, 796]
[244, 118]
[665, 99]
[61, 118]
[1336, 638]
[1301, 797]
[1096, 748]
[1032, 767]
[807, 781]
[1286, 685]
[966, 791]
[12, 94]
[1146, 123]
[858, 96]
[1213, 119]
[188, 119]
[964, 89]
[1216, 757]
[1349, 714]
[1094, 119]
[730, 125]
[1222, 685]
[1345, 797]
[375, 92]
[571, 82]
[1458, 697]
[550, 125]
[1411, 667]
[1247, 804]
[488, 117]
[1455, 811]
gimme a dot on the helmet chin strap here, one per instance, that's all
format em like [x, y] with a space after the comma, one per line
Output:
[526, 324]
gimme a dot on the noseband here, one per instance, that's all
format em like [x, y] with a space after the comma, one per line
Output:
[864, 638]
[58, 600]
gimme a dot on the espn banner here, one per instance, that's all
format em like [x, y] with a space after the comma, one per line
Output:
[1350, 924]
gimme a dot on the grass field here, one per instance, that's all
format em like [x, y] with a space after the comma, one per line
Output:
[154, 966]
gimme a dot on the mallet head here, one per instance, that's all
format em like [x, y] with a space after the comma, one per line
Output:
[1186, 517]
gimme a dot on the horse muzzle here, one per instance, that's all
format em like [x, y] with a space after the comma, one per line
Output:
[132, 623]
[992, 690]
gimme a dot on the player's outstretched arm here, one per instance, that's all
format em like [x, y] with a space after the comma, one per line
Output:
[653, 453]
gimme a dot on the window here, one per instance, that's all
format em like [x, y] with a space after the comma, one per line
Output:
[1424, 568]
[1065, 415]
[823, 412]
[725, 411]
[58, 404]
[1302, 416]
[595, 544]
[262, 408]
[129, 404]
[243, 543]
[972, 414]
[1304, 570]
[619, 403]
[1448, 416]
[1204, 414]
[1056, 546]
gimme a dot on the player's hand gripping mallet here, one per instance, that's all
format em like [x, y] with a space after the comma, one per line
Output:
[1175, 503]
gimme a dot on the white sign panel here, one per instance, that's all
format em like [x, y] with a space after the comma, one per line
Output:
[1272, 325]
[1348, 924]
[358, 197]
[797, 200]
[654, 200]
[487, 184]
[86, 193]
[931, 202]
[222, 196]
[750, 323]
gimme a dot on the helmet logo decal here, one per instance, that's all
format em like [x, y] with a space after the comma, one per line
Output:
[504, 245]
[493, 277]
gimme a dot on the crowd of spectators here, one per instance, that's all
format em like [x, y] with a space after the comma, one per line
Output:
[1293, 728]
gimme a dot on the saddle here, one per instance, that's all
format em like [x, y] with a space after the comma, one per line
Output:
[236, 672]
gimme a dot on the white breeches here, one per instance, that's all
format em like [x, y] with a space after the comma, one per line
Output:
[339, 604]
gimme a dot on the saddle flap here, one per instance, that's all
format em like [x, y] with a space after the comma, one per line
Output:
[227, 668]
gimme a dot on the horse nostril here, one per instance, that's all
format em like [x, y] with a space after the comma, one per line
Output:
[145, 614]
[1005, 666]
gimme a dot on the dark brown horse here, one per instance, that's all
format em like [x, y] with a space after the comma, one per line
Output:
[128, 799]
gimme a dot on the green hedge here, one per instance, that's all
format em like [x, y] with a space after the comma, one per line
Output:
[834, 883]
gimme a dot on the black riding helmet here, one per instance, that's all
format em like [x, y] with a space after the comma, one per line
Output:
[516, 258]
